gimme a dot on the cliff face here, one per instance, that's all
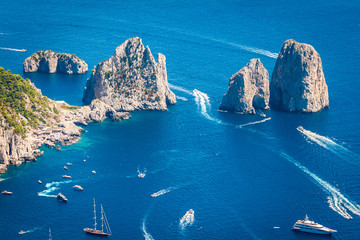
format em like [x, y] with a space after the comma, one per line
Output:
[28, 120]
[131, 80]
[248, 89]
[51, 62]
[298, 82]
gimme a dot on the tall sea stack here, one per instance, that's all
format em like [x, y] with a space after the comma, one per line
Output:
[131, 80]
[298, 82]
[248, 89]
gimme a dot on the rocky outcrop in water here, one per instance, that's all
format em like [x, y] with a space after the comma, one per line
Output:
[131, 80]
[298, 82]
[28, 120]
[248, 89]
[51, 62]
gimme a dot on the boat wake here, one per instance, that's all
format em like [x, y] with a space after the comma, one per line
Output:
[252, 123]
[13, 49]
[182, 98]
[328, 144]
[146, 234]
[29, 231]
[203, 102]
[187, 220]
[180, 89]
[50, 188]
[163, 191]
[337, 201]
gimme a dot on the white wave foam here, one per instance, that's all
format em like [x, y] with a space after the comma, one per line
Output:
[29, 231]
[162, 192]
[180, 89]
[187, 220]
[329, 144]
[337, 201]
[182, 98]
[13, 49]
[202, 101]
[146, 234]
[50, 188]
[252, 123]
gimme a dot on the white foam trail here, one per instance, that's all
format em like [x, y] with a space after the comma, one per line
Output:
[13, 49]
[328, 144]
[50, 188]
[337, 201]
[252, 123]
[163, 191]
[180, 89]
[187, 220]
[146, 234]
[202, 100]
[30, 231]
[182, 98]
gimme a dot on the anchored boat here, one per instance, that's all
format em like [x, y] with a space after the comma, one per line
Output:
[61, 197]
[311, 227]
[104, 222]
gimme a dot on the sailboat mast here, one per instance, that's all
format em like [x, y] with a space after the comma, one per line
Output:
[102, 218]
[94, 215]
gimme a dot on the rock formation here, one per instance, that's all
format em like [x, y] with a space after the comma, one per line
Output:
[28, 120]
[131, 80]
[248, 89]
[51, 62]
[298, 82]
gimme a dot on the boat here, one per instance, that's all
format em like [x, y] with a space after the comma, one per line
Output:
[22, 232]
[66, 176]
[311, 227]
[93, 171]
[65, 167]
[6, 192]
[141, 175]
[39, 181]
[69, 164]
[104, 222]
[154, 194]
[78, 187]
[61, 197]
[300, 128]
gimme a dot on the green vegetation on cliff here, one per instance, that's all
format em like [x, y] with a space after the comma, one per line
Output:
[21, 104]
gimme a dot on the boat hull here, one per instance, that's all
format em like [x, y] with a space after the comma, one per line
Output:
[96, 232]
[311, 231]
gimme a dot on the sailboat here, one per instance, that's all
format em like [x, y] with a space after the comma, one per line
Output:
[104, 222]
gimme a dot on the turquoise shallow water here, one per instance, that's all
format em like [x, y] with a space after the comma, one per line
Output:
[242, 175]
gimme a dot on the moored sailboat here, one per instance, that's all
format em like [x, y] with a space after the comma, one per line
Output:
[104, 222]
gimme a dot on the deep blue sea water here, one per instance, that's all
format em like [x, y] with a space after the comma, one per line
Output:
[242, 175]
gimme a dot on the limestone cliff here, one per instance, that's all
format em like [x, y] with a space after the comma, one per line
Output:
[28, 120]
[298, 82]
[51, 62]
[248, 89]
[131, 80]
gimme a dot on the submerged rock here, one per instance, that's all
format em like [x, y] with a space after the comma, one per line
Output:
[51, 62]
[131, 80]
[248, 89]
[298, 82]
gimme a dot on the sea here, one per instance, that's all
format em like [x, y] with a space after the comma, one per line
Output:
[242, 175]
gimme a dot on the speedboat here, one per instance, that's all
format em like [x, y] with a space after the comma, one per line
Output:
[93, 171]
[21, 232]
[311, 227]
[78, 187]
[141, 175]
[39, 181]
[154, 194]
[6, 192]
[300, 128]
[61, 197]
[65, 167]
[69, 164]
[66, 176]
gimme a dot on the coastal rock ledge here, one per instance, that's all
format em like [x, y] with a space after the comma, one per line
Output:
[248, 89]
[131, 80]
[51, 62]
[298, 82]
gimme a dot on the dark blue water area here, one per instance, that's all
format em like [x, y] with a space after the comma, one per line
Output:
[242, 175]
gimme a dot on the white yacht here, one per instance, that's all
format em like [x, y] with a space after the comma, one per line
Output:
[311, 227]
